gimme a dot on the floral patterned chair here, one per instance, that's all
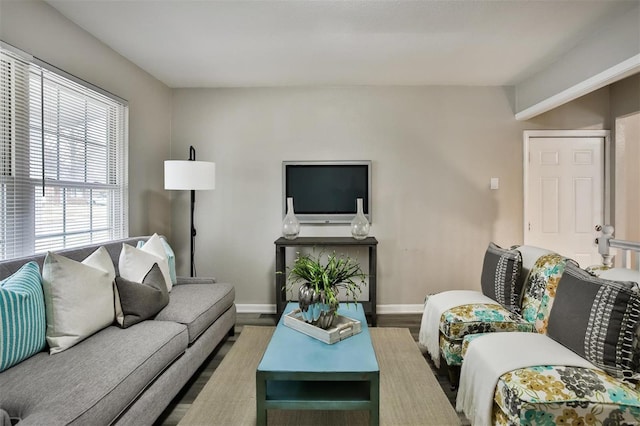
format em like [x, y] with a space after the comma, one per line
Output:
[539, 273]
[557, 394]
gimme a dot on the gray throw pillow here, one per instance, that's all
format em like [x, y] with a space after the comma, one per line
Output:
[596, 319]
[501, 276]
[141, 301]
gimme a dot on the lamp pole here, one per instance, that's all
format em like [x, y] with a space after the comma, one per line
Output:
[192, 157]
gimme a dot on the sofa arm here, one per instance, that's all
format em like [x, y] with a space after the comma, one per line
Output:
[195, 280]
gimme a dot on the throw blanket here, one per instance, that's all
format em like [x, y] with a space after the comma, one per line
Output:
[490, 356]
[438, 304]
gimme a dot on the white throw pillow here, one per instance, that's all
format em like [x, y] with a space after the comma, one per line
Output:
[134, 264]
[78, 297]
[100, 259]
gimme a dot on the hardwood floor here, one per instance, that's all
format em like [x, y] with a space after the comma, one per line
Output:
[181, 403]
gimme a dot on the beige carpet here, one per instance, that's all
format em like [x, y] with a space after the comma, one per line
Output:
[409, 393]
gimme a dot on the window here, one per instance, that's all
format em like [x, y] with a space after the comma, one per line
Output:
[63, 159]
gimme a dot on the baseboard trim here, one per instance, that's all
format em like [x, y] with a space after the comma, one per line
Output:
[401, 309]
[249, 308]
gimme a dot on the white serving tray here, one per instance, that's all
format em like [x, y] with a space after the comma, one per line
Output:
[341, 328]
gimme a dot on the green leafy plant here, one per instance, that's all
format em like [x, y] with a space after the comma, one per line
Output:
[337, 272]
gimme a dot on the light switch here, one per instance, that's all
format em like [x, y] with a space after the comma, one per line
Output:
[495, 183]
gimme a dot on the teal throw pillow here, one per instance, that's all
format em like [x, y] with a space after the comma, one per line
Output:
[23, 322]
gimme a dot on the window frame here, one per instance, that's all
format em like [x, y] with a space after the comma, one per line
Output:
[112, 109]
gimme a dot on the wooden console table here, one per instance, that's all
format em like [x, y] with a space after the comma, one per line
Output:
[281, 272]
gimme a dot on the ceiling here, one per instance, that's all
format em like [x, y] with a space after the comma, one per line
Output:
[206, 43]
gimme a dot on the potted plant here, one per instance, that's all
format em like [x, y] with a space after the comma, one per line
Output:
[321, 281]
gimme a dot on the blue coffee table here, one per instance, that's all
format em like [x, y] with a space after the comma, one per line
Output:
[298, 372]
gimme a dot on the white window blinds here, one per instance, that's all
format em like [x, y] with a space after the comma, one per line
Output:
[63, 160]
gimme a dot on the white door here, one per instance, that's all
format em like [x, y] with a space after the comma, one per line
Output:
[564, 198]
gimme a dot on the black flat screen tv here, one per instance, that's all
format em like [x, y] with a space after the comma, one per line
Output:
[326, 191]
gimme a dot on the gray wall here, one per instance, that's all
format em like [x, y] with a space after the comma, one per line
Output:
[38, 29]
[434, 150]
[612, 46]
[625, 125]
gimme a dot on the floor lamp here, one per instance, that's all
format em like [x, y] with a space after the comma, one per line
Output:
[190, 175]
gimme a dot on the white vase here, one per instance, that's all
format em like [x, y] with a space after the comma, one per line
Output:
[290, 224]
[359, 224]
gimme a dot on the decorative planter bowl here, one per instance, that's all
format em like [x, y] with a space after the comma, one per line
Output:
[315, 306]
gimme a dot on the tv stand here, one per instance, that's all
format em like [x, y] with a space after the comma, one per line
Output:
[281, 272]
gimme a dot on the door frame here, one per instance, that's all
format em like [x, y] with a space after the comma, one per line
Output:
[607, 157]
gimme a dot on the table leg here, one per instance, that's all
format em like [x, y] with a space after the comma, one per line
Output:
[373, 283]
[281, 293]
[261, 396]
[374, 395]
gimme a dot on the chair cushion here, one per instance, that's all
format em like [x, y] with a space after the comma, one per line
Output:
[500, 277]
[451, 351]
[480, 318]
[540, 291]
[197, 306]
[564, 395]
[88, 384]
[597, 319]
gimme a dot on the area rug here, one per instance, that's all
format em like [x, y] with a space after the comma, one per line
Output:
[409, 393]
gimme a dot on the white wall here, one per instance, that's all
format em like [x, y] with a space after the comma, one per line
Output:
[434, 150]
[36, 28]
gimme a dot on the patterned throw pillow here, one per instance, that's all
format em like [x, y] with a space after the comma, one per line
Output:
[596, 319]
[501, 276]
[22, 318]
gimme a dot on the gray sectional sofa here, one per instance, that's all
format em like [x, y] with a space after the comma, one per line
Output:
[119, 376]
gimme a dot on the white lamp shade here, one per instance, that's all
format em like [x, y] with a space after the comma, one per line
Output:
[187, 175]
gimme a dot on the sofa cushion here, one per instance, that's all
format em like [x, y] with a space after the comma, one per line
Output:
[597, 319]
[197, 306]
[479, 318]
[88, 384]
[501, 276]
[564, 395]
[22, 319]
[78, 297]
[141, 301]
